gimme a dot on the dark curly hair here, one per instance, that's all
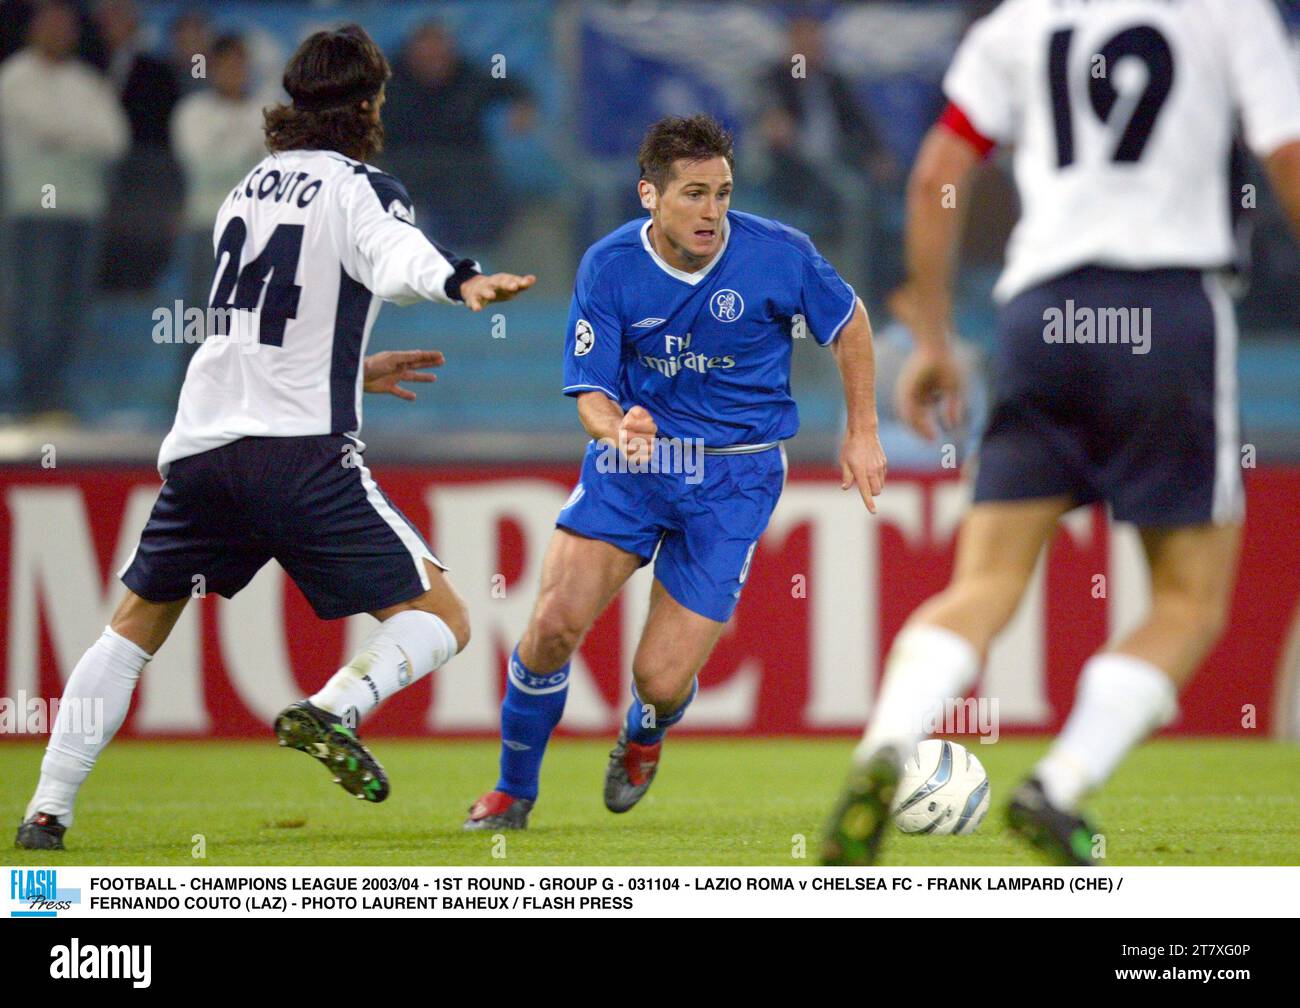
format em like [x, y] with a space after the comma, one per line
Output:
[328, 78]
[694, 138]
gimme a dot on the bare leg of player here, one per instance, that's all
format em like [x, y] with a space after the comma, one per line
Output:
[146, 624]
[441, 600]
[937, 654]
[413, 639]
[675, 644]
[94, 704]
[579, 578]
[936, 657]
[1130, 689]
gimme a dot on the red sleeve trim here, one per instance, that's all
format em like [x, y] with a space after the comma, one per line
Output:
[955, 119]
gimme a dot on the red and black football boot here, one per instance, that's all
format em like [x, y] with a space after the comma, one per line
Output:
[497, 810]
[41, 832]
[630, 773]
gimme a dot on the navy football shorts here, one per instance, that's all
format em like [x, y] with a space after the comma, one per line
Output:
[308, 502]
[705, 529]
[1155, 434]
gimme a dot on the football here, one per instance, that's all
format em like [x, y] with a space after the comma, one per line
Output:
[943, 790]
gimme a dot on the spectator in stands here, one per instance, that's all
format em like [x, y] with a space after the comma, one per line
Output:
[15, 15]
[61, 127]
[815, 129]
[217, 133]
[435, 136]
[191, 35]
[145, 192]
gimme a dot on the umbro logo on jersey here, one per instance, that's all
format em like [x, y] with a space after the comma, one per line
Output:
[648, 323]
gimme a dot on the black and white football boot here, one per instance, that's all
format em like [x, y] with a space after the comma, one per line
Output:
[325, 736]
[1064, 838]
[858, 823]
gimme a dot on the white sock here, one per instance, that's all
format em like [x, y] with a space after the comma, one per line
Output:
[404, 648]
[927, 666]
[93, 707]
[1120, 700]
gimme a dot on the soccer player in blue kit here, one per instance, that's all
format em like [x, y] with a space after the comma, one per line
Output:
[678, 341]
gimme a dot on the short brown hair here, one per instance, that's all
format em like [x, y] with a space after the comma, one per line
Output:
[328, 78]
[675, 138]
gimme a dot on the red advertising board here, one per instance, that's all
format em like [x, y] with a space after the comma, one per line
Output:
[828, 589]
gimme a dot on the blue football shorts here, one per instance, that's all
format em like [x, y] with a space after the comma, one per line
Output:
[699, 522]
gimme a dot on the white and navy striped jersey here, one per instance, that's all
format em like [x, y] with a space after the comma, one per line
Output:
[1122, 115]
[307, 245]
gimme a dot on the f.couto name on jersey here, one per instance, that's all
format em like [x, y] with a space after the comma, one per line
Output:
[279, 187]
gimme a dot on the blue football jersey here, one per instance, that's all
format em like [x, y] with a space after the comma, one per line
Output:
[706, 353]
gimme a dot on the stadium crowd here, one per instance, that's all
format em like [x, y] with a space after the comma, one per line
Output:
[117, 159]
[125, 124]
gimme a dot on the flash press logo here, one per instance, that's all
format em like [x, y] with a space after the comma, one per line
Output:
[76, 961]
[37, 891]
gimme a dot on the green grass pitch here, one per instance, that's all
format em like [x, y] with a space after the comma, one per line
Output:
[715, 802]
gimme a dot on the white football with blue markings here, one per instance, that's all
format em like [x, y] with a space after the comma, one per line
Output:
[943, 790]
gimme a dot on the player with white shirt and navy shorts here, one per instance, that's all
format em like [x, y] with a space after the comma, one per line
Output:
[264, 460]
[1114, 376]
[678, 353]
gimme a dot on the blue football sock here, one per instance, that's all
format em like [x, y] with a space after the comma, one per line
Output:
[532, 708]
[644, 727]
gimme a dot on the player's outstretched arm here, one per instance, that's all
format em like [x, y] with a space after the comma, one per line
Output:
[385, 371]
[935, 203]
[393, 259]
[862, 459]
[632, 432]
[931, 375]
[484, 289]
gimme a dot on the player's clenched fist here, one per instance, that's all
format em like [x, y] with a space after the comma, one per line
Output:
[483, 289]
[636, 435]
[930, 378]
